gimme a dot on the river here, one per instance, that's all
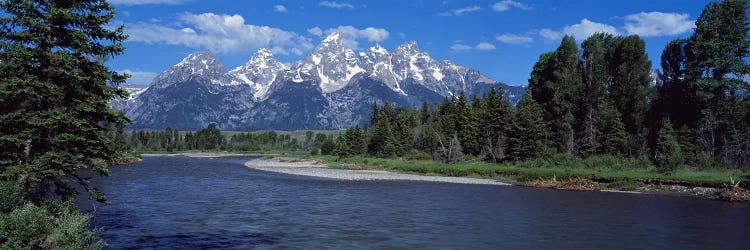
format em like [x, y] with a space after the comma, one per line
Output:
[189, 203]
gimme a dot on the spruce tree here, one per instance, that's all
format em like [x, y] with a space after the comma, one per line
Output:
[531, 133]
[668, 156]
[54, 92]
[614, 136]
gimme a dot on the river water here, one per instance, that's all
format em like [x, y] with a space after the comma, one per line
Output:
[188, 203]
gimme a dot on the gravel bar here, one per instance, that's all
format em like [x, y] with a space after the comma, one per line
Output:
[309, 168]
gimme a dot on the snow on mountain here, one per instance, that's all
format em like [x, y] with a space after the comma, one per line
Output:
[259, 72]
[199, 64]
[331, 88]
[330, 63]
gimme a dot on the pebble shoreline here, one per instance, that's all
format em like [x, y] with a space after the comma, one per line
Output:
[309, 168]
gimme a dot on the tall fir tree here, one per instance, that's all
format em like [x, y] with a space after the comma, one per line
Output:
[54, 92]
[531, 133]
[668, 156]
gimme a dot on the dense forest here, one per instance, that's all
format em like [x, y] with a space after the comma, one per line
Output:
[597, 99]
[212, 139]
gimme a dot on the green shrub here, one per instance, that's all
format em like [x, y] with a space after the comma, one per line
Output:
[11, 197]
[53, 225]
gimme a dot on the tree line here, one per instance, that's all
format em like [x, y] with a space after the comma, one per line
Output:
[599, 98]
[212, 139]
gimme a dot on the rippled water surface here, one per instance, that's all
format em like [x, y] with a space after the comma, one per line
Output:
[185, 203]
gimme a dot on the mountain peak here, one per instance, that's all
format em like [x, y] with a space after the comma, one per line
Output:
[334, 37]
[410, 46]
[377, 49]
[263, 52]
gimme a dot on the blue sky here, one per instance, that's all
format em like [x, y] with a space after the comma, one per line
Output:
[500, 38]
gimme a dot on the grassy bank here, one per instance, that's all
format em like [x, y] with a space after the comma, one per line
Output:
[600, 169]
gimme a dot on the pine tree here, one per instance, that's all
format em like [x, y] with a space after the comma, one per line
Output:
[668, 156]
[686, 138]
[425, 113]
[496, 119]
[614, 136]
[54, 92]
[531, 133]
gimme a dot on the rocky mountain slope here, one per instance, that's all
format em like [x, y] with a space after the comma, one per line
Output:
[333, 87]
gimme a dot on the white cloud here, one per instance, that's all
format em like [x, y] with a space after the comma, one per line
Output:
[460, 47]
[507, 4]
[658, 24]
[138, 77]
[279, 8]
[142, 2]
[315, 31]
[352, 35]
[485, 46]
[580, 31]
[336, 5]
[226, 34]
[514, 39]
[461, 11]
[550, 34]
[586, 28]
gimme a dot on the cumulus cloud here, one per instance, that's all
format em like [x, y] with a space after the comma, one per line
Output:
[508, 4]
[138, 77]
[352, 35]
[586, 28]
[279, 8]
[580, 31]
[514, 39]
[315, 31]
[650, 24]
[461, 11]
[485, 46]
[226, 34]
[336, 5]
[142, 2]
[460, 47]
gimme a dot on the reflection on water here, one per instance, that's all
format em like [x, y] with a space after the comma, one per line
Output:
[189, 203]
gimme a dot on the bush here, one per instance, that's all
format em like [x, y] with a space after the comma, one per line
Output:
[11, 197]
[53, 225]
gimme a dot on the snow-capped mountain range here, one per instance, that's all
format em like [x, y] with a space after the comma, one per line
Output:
[333, 87]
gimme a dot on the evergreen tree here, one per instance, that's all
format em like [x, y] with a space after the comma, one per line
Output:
[381, 134]
[425, 113]
[668, 154]
[496, 120]
[614, 136]
[530, 131]
[54, 92]
[686, 138]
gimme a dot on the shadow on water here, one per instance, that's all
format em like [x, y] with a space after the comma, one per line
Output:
[198, 203]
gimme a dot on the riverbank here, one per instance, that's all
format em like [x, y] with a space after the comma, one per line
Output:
[207, 154]
[704, 184]
[318, 169]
